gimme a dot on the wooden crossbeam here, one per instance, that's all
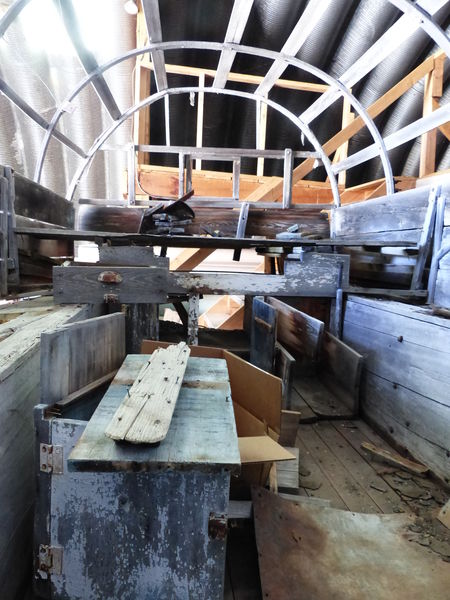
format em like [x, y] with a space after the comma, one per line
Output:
[145, 414]
[236, 25]
[432, 93]
[305, 25]
[386, 100]
[290, 84]
[189, 258]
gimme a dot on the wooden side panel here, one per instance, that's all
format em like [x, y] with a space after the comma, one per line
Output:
[79, 353]
[263, 335]
[344, 365]
[19, 393]
[405, 389]
[299, 332]
[442, 294]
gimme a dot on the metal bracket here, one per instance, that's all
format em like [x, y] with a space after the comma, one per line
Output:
[51, 459]
[217, 526]
[50, 561]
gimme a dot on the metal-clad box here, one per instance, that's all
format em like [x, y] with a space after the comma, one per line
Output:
[130, 522]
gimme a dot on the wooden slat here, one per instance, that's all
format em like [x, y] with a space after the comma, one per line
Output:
[78, 354]
[146, 412]
[395, 459]
[263, 335]
[299, 332]
[189, 258]
[345, 134]
[432, 93]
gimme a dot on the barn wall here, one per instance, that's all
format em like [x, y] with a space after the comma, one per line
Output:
[405, 388]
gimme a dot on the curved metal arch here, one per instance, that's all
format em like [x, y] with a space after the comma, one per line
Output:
[209, 90]
[378, 140]
[406, 6]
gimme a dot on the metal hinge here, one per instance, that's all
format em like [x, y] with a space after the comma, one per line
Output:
[51, 458]
[217, 526]
[50, 561]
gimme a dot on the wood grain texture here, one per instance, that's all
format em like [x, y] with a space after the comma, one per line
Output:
[77, 354]
[263, 335]
[298, 331]
[395, 459]
[145, 414]
[405, 388]
[203, 412]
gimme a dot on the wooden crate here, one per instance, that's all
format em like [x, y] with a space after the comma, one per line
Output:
[136, 522]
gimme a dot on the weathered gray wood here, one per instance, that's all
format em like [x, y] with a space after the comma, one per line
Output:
[152, 284]
[437, 243]
[77, 354]
[37, 202]
[263, 335]
[393, 356]
[142, 323]
[342, 368]
[299, 332]
[19, 393]
[323, 394]
[284, 369]
[145, 414]
[141, 256]
[196, 418]
[425, 240]
[137, 285]
[169, 562]
[403, 212]
[192, 324]
[3, 237]
[409, 419]
[13, 253]
[405, 389]
[394, 459]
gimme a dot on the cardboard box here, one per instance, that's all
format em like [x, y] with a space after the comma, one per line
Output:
[257, 400]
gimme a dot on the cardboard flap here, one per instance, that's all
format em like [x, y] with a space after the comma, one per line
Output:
[261, 449]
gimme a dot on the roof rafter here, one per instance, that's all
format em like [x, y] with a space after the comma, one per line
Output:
[37, 118]
[86, 57]
[236, 25]
[305, 25]
[392, 39]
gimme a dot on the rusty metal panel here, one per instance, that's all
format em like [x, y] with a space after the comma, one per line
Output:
[320, 553]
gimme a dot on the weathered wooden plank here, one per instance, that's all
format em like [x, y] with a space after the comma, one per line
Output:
[145, 414]
[37, 202]
[195, 418]
[414, 421]
[141, 285]
[284, 369]
[142, 322]
[349, 488]
[324, 396]
[344, 365]
[19, 392]
[263, 335]
[394, 459]
[299, 332]
[402, 362]
[77, 354]
[152, 284]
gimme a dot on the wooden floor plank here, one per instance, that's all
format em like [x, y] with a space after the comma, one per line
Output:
[312, 479]
[375, 487]
[321, 399]
[348, 488]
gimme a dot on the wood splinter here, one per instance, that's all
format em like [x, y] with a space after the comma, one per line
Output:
[145, 414]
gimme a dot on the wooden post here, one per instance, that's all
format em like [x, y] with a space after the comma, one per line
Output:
[142, 322]
[200, 111]
[432, 91]
[192, 336]
[141, 125]
[3, 236]
[261, 127]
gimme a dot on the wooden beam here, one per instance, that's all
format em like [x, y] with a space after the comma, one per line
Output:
[350, 130]
[200, 111]
[236, 25]
[141, 124]
[432, 92]
[289, 84]
[189, 258]
[305, 25]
